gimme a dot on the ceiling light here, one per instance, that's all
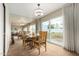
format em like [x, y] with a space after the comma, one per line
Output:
[38, 11]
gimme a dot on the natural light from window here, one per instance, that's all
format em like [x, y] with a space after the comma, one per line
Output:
[55, 28]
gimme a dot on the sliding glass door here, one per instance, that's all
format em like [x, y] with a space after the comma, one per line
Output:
[55, 28]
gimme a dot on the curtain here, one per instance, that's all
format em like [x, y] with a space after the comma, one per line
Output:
[71, 27]
[68, 27]
[76, 25]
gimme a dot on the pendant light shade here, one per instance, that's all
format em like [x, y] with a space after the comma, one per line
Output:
[38, 11]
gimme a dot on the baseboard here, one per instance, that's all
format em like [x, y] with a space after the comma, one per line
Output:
[56, 44]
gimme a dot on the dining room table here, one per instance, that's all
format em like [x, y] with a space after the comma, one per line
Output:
[31, 39]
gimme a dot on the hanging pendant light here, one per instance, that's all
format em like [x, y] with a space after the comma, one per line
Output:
[38, 11]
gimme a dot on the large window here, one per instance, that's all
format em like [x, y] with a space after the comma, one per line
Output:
[32, 28]
[54, 27]
[56, 30]
[45, 27]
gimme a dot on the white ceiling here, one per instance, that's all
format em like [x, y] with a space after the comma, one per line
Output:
[27, 9]
[18, 20]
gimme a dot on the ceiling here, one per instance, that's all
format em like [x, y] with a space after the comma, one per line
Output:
[27, 10]
[18, 21]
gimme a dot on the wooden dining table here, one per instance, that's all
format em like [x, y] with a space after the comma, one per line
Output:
[31, 39]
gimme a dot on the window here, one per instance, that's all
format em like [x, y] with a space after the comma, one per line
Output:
[56, 30]
[45, 27]
[32, 28]
[54, 27]
[25, 29]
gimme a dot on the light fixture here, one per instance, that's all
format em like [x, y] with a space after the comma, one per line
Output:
[38, 11]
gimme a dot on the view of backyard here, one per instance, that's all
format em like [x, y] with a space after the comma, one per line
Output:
[54, 28]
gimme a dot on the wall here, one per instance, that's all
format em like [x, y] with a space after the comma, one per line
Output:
[1, 29]
[8, 31]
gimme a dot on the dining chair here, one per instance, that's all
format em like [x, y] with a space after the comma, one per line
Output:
[26, 39]
[41, 40]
